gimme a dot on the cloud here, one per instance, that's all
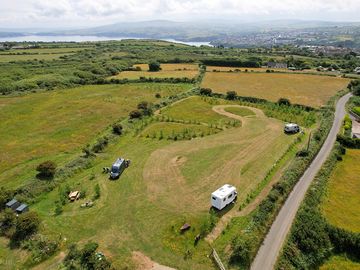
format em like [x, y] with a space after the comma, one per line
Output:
[94, 12]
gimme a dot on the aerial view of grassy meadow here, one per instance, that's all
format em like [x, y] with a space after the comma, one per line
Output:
[343, 184]
[70, 110]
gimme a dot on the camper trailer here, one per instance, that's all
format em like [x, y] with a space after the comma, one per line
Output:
[223, 196]
[291, 128]
[118, 167]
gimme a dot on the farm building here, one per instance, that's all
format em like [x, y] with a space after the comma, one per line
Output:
[13, 204]
[22, 208]
[276, 65]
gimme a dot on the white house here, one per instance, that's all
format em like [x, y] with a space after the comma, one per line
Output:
[223, 196]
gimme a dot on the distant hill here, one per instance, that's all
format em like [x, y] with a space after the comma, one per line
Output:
[226, 32]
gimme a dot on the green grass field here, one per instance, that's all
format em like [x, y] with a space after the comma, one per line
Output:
[54, 124]
[240, 111]
[195, 109]
[342, 203]
[340, 263]
[303, 89]
[167, 184]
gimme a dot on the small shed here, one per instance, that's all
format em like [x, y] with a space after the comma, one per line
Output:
[22, 208]
[13, 204]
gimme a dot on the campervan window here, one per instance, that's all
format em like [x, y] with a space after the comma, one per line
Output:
[229, 196]
[214, 198]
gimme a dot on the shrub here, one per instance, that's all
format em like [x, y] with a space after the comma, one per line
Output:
[205, 92]
[100, 144]
[40, 247]
[154, 66]
[145, 108]
[242, 250]
[284, 101]
[7, 223]
[5, 196]
[87, 151]
[117, 129]
[157, 95]
[135, 114]
[97, 192]
[58, 209]
[46, 169]
[26, 225]
[231, 95]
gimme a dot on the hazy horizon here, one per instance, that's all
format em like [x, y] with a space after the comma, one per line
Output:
[71, 14]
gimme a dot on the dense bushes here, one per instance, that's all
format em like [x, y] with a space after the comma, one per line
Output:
[349, 142]
[205, 91]
[154, 66]
[40, 247]
[250, 63]
[18, 227]
[231, 95]
[117, 128]
[86, 258]
[354, 86]
[100, 144]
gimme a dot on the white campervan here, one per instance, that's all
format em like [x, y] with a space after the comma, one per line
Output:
[223, 196]
[291, 128]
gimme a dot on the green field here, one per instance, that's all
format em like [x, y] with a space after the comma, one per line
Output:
[342, 203]
[52, 125]
[195, 109]
[340, 263]
[167, 184]
[240, 111]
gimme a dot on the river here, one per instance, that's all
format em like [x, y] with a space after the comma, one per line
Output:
[35, 38]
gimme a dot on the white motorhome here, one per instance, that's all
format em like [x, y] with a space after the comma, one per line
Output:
[291, 128]
[223, 196]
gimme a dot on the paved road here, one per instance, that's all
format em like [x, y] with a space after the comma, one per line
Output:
[270, 249]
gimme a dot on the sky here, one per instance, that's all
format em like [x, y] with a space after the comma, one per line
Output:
[86, 13]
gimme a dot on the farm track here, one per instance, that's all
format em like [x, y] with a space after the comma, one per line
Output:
[274, 240]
